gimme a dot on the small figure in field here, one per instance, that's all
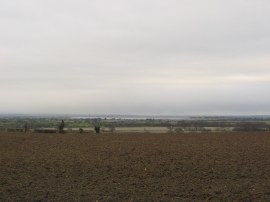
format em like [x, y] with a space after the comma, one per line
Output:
[25, 127]
[81, 130]
[97, 129]
[61, 127]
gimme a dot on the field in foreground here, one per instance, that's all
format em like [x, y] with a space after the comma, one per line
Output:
[135, 167]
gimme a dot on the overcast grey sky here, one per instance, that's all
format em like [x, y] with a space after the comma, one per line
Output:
[155, 57]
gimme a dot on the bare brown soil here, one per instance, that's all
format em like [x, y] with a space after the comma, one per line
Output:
[135, 167]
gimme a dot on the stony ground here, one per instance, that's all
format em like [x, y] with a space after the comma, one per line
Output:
[135, 167]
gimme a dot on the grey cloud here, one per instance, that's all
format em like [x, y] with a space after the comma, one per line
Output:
[135, 56]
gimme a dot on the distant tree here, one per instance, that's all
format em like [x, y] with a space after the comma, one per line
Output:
[61, 126]
[25, 127]
[97, 129]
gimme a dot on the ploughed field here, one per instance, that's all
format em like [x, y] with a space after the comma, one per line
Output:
[135, 167]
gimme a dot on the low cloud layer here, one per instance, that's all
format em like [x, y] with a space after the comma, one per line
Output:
[185, 57]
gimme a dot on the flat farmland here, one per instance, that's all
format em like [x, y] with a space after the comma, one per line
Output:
[135, 167]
